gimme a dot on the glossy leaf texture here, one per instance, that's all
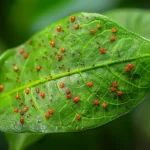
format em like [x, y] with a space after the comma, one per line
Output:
[76, 74]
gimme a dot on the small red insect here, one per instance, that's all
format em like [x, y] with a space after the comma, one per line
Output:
[113, 30]
[17, 96]
[98, 26]
[47, 115]
[62, 85]
[60, 57]
[115, 84]
[76, 99]
[69, 96]
[58, 28]
[16, 110]
[76, 27]
[15, 68]
[51, 111]
[112, 89]
[37, 90]
[27, 91]
[104, 105]
[42, 95]
[119, 93]
[22, 121]
[96, 102]
[25, 56]
[127, 69]
[102, 50]
[1, 88]
[52, 43]
[90, 83]
[92, 31]
[21, 51]
[130, 66]
[22, 112]
[38, 68]
[78, 117]
[68, 91]
[73, 18]
[62, 49]
[25, 109]
[112, 38]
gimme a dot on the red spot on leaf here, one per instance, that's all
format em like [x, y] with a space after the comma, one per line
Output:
[78, 117]
[92, 31]
[104, 105]
[112, 38]
[119, 93]
[96, 102]
[17, 96]
[52, 43]
[21, 50]
[102, 50]
[22, 121]
[90, 83]
[76, 99]
[73, 18]
[58, 28]
[42, 95]
[1, 88]
[113, 30]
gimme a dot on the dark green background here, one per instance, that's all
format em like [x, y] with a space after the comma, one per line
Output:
[19, 19]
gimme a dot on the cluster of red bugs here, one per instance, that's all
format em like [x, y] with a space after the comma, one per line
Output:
[129, 67]
[114, 88]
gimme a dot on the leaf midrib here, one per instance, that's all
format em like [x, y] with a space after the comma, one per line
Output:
[41, 81]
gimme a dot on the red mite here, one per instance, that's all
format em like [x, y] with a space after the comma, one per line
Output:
[51, 111]
[76, 26]
[15, 68]
[98, 26]
[92, 31]
[78, 117]
[25, 56]
[69, 96]
[127, 69]
[130, 66]
[17, 96]
[62, 85]
[76, 99]
[52, 43]
[73, 18]
[90, 83]
[16, 110]
[58, 29]
[113, 30]
[21, 51]
[47, 115]
[25, 109]
[112, 89]
[68, 91]
[60, 57]
[38, 68]
[115, 84]
[119, 93]
[112, 38]
[37, 90]
[1, 88]
[42, 95]
[22, 121]
[96, 102]
[62, 49]
[102, 50]
[27, 91]
[104, 105]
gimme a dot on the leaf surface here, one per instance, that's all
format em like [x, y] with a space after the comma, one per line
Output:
[76, 74]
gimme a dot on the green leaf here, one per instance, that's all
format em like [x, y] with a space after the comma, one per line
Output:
[136, 20]
[22, 140]
[96, 59]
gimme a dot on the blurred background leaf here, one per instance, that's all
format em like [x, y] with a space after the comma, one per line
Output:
[19, 19]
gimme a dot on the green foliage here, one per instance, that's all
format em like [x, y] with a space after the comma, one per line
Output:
[105, 67]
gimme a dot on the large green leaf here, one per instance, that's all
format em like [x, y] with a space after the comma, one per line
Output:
[136, 20]
[37, 80]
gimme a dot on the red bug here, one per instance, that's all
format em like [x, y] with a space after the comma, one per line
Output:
[102, 50]
[21, 51]
[62, 85]
[92, 31]
[51, 111]
[27, 91]
[52, 43]
[1, 88]
[17, 96]
[130, 66]
[104, 105]
[90, 83]
[62, 49]
[73, 18]
[58, 28]
[22, 121]
[127, 69]
[25, 56]
[113, 30]
[47, 115]
[38, 68]
[78, 117]
[37, 90]
[16, 110]
[98, 26]
[112, 38]
[115, 84]
[15, 68]
[42, 95]
[96, 102]
[76, 99]
[76, 26]
[25, 109]
[69, 96]
[60, 57]
[112, 89]
[119, 93]
[68, 91]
